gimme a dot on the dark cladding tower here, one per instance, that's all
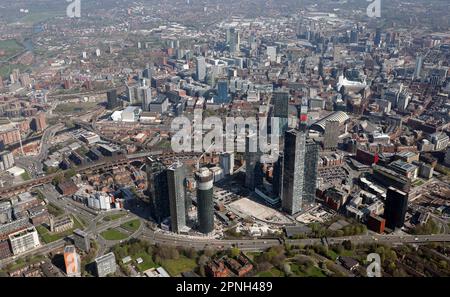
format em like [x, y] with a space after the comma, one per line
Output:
[280, 102]
[158, 190]
[395, 208]
[205, 203]
[253, 170]
[112, 99]
[176, 175]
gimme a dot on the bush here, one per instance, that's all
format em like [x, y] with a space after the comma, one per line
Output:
[348, 245]
[234, 252]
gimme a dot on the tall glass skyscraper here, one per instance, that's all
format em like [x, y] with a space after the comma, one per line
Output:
[222, 92]
[280, 101]
[253, 171]
[299, 171]
[176, 175]
[310, 168]
[201, 69]
[158, 191]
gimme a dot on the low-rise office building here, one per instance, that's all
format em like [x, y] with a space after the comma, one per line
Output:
[24, 240]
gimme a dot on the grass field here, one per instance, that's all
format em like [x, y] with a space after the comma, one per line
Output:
[48, 237]
[113, 234]
[175, 267]
[38, 17]
[6, 69]
[271, 273]
[75, 108]
[11, 47]
[55, 210]
[312, 271]
[25, 176]
[20, 263]
[131, 226]
[114, 217]
[148, 261]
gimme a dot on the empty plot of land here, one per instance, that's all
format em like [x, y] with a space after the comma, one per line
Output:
[258, 211]
[317, 215]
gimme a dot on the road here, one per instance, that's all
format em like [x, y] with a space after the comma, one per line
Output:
[33, 165]
[97, 225]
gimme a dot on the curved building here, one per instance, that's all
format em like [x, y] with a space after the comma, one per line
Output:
[205, 203]
[338, 116]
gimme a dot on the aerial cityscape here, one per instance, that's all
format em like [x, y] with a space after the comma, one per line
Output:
[238, 138]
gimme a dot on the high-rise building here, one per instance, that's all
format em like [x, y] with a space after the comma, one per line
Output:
[222, 92]
[24, 240]
[72, 261]
[105, 265]
[299, 171]
[293, 171]
[235, 40]
[395, 208]
[447, 157]
[310, 168]
[205, 202]
[147, 72]
[403, 100]
[6, 160]
[277, 176]
[280, 101]
[331, 135]
[418, 68]
[377, 38]
[134, 94]
[175, 178]
[112, 100]
[253, 171]
[201, 69]
[81, 240]
[226, 161]
[354, 36]
[272, 53]
[145, 93]
[158, 191]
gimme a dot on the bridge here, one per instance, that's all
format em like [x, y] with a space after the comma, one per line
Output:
[104, 164]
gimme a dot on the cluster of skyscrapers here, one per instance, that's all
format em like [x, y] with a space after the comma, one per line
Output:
[295, 171]
[168, 196]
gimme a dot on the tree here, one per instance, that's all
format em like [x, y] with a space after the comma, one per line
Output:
[347, 244]
[338, 249]
[264, 266]
[287, 269]
[70, 173]
[201, 271]
[209, 252]
[203, 260]
[191, 253]
[234, 252]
